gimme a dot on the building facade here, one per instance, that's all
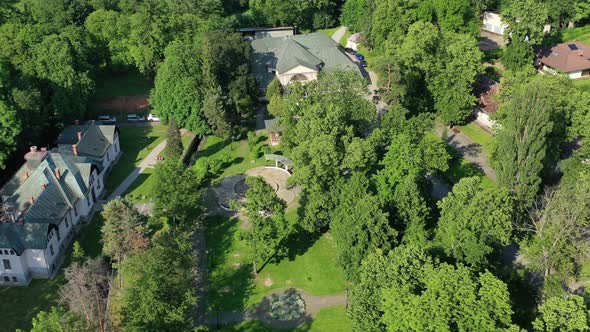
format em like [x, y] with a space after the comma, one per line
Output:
[45, 203]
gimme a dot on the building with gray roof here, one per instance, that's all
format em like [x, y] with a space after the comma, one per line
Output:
[43, 205]
[297, 58]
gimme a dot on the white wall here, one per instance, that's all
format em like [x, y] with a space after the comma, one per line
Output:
[492, 22]
[351, 44]
[484, 119]
[575, 74]
[17, 268]
[285, 78]
[273, 33]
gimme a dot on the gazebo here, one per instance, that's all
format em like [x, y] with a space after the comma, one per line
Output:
[274, 130]
[277, 158]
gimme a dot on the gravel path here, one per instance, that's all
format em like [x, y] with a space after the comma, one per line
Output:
[261, 312]
[470, 150]
[338, 34]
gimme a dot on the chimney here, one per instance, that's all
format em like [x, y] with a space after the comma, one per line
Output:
[80, 135]
[57, 173]
[33, 148]
[75, 149]
[32, 200]
[43, 186]
[25, 175]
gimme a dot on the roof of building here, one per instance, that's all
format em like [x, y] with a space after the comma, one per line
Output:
[356, 37]
[567, 57]
[314, 51]
[95, 139]
[254, 29]
[272, 125]
[44, 189]
[485, 89]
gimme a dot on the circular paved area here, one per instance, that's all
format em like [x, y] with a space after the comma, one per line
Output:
[233, 188]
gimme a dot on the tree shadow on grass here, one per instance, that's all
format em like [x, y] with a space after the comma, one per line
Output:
[213, 149]
[229, 285]
[141, 178]
[297, 244]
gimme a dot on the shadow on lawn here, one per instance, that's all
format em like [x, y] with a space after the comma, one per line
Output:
[229, 287]
[213, 149]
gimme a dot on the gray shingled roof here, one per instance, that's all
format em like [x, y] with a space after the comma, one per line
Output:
[96, 139]
[314, 51]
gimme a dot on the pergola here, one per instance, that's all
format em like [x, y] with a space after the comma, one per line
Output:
[286, 162]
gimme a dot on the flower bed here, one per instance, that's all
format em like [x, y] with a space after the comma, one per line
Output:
[288, 306]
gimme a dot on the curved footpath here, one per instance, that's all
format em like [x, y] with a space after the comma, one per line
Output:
[261, 311]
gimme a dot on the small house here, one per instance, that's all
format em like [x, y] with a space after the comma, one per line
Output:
[486, 90]
[274, 131]
[354, 41]
[570, 58]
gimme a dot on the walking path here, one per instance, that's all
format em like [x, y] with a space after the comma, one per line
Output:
[148, 161]
[470, 150]
[338, 34]
[261, 312]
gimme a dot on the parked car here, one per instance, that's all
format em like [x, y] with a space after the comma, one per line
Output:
[154, 118]
[350, 51]
[359, 57]
[135, 118]
[107, 119]
[363, 63]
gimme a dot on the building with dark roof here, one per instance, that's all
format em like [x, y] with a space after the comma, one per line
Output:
[486, 90]
[45, 202]
[298, 58]
[571, 58]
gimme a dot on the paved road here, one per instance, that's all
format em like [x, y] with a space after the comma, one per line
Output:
[470, 150]
[261, 312]
[339, 34]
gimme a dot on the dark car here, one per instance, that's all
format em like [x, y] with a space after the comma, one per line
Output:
[359, 57]
[363, 63]
[350, 51]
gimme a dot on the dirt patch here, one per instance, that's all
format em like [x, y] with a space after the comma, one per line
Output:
[125, 104]
[268, 282]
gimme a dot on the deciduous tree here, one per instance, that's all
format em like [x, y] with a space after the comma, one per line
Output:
[174, 148]
[563, 313]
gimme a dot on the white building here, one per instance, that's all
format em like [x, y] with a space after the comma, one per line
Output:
[492, 22]
[570, 58]
[486, 90]
[354, 41]
[45, 202]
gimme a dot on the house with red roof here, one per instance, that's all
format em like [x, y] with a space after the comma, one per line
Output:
[486, 90]
[570, 58]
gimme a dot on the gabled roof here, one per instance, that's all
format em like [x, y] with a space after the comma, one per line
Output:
[95, 142]
[315, 51]
[485, 90]
[567, 57]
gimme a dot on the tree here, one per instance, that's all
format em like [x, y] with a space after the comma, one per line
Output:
[177, 92]
[123, 230]
[57, 320]
[176, 193]
[563, 313]
[10, 129]
[455, 73]
[519, 55]
[214, 107]
[174, 146]
[274, 88]
[525, 19]
[557, 230]
[266, 213]
[353, 13]
[473, 221]
[521, 143]
[454, 15]
[78, 253]
[359, 226]
[85, 292]
[162, 296]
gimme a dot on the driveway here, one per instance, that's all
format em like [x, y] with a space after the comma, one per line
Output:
[339, 34]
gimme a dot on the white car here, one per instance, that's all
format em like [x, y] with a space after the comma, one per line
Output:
[154, 118]
[134, 118]
[107, 119]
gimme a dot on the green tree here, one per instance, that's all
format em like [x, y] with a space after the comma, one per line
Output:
[518, 56]
[161, 296]
[353, 12]
[273, 88]
[467, 234]
[214, 106]
[525, 19]
[176, 193]
[122, 233]
[57, 320]
[454, 76]
[359, 226]
[10, 129]
[556, 243]
[174, 146]
[563, 313]
[177, 92]
[266, 213]
[78, 253]
[521, 143]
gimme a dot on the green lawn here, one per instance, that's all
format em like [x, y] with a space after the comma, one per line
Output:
[580, 34]
[308, 264]
[330, 319]
[478, 135]
[583, 85]
[329, 32]
[20, 304]
[345, 38]
[111, 84]
[136, 143]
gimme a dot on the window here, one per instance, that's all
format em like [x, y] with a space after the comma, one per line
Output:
[51, 249]
[75, 211]
[58, 236]
[7, 265]
[6, 279]
[5, 252]
[14, 279]
[11, 252]
[67, 223]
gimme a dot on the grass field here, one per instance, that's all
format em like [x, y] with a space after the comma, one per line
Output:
[583, 85]
[580, 34]
[478, 135]
[111, 84]
[330, 319]
[20, 304]
[136, 143]
[308, 264]
[329, 32]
